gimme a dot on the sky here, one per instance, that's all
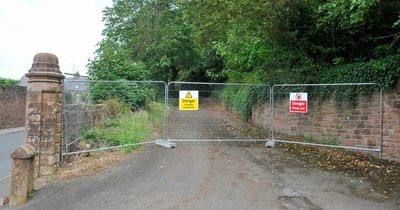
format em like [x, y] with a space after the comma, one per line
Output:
[70, 29]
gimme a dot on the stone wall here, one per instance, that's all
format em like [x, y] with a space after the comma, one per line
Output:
[340, 123]
[12, 106]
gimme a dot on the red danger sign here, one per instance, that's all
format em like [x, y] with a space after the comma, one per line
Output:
[298, 102]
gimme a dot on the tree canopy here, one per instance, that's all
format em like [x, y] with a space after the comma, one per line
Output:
[304, 41]
[6, 81]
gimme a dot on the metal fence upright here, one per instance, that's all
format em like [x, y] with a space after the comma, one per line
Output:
[83, 109]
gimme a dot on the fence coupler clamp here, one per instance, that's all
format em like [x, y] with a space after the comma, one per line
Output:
[166, 143]
[270, 143]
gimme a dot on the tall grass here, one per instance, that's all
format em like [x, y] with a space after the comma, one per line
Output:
[126, 127]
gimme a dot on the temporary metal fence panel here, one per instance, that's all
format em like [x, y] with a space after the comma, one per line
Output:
[335, 115]
[100, 115]
[216, 111]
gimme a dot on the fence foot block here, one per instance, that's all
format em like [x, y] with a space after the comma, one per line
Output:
[270, 143]
[166, 143]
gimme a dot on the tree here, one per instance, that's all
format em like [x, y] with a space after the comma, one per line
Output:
[6, 81]
[244, 40]
[144, 40]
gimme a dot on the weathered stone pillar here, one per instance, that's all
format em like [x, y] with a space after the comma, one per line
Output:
[22, 174]
[43, 112]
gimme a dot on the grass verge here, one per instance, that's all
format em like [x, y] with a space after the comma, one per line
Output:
[126, 127]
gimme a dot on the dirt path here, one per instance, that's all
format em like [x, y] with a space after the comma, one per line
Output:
[211, 176]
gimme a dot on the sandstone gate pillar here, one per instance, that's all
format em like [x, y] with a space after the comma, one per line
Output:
[43, 112]
[22, 174]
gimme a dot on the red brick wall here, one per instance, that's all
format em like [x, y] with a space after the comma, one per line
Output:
[346, 124]
[12, 106]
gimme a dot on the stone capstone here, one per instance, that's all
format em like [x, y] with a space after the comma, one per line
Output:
[24, 152]
[22, 176]
[45, 68]
[45, 62]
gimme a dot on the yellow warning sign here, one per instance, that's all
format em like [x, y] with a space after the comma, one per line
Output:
[189, 100]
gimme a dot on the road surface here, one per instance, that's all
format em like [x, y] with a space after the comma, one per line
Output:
[10, 139]
[210, 176]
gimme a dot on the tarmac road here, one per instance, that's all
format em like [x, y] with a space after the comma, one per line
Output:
[207, 176]
[10, 139]
[210, 176]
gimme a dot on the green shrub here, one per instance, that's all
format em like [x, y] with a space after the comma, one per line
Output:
[115, 108]
[126, 127]
[133, 94]
[243, 98]
[384, 71]
[155, 110]
[6, 81]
